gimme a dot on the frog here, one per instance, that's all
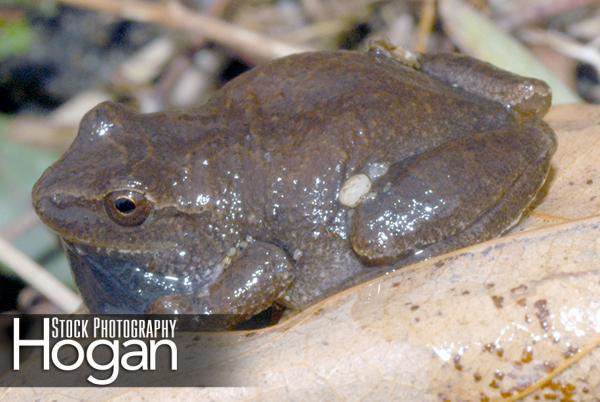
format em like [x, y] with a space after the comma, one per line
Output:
[299, 178]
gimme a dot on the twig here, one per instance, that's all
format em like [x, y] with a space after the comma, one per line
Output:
[314, 8]
[563, 44]
[156, 99]
[536, 12]
[38, 277]
[178, 65]
[425, 25]
[173, 15]
[545, 380]
[318, 30]
[216, 10]
[26, 221]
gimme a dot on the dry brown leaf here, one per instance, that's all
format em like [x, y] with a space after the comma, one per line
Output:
[516, 316]
[572, 190]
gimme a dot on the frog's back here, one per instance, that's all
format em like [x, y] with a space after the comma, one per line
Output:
[339, 96]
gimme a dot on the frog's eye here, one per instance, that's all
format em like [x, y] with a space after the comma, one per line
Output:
[127, 207]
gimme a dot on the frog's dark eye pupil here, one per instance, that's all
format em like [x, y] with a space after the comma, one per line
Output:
[127, 207]
[124, 205]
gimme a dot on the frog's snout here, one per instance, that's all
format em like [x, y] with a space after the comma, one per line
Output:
[57, 209]
[40, 198]
[46, 203]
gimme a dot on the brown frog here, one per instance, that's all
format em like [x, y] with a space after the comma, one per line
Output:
[298, 178]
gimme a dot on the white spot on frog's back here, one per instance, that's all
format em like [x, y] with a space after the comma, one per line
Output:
[354, 190]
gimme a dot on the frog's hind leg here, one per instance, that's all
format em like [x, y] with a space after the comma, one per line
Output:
[503, 216]
[525, 96]
[250, 283]
[483, 181]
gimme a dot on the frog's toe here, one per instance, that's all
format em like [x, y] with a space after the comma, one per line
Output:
[250, 283]
[526, 97]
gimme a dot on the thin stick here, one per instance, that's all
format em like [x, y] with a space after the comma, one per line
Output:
[536, 12]
[563, 44]
[181, 62]
[567, 363]
[216, 10]
[425, 25]
[38, 277]
[318, 30]
[26, 222]
[173, 15]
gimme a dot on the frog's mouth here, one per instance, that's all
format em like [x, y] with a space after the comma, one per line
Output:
[112, 284]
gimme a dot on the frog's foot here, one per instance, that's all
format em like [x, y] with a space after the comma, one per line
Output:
[526, 97]
[249, 284]
[445, 192]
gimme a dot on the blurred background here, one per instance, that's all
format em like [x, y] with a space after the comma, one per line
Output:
[60, 58]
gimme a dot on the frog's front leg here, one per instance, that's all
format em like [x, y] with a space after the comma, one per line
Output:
[527, 97]
[447, 191]
[249, 284]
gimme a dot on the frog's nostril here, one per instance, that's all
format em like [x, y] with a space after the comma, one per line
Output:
[43, 204]
[45, 201]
